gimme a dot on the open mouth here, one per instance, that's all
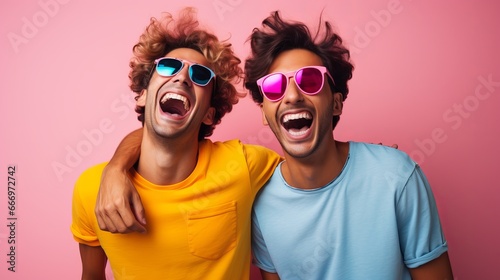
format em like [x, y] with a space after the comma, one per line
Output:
[297, 124]
[174, 104]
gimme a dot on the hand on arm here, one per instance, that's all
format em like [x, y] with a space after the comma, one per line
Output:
[118, 207]
[437, 269]
[395, 146]
[93, 262]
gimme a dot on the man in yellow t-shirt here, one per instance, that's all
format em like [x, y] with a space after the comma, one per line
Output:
[198, 228]
[197, 194]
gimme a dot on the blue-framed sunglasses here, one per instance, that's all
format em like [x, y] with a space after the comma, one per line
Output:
[199, 74]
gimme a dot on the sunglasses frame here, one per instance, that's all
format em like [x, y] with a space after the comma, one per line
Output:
[191, 63]
[288, 75]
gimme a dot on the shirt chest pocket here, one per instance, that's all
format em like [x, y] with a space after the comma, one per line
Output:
[212, 231]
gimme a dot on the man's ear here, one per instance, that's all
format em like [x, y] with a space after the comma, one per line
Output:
[209, 116]
[141, 100]
[338, 103]
[264, 120]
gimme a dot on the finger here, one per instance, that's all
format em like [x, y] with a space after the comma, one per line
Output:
[130, 223]
[138, 209]
[112, 221]
[102, 219]
[100, 216]
[101, 222]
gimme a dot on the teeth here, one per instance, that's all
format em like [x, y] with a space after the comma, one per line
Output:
[303, 115]
[176, 97]
[297, 133]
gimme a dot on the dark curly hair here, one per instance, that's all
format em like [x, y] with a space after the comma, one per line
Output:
[167, 34]
[277, 36]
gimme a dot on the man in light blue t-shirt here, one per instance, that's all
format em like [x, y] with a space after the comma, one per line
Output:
[332, 210]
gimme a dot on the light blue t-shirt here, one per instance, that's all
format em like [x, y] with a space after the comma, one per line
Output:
[373, 221]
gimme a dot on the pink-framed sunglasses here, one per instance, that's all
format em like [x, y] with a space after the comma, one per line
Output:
[310, 80]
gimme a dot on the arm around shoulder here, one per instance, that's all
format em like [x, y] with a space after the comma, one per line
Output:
[118, 208]
[128, 151]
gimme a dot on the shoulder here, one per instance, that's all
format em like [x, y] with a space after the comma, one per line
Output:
[236, 146]
[382, 155]
[377, 150]
[229, 145]
[88, 182]
[384, 162]
[92, 172]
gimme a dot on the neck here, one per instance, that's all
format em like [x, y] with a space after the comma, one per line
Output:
[166, 162]
[317, 169]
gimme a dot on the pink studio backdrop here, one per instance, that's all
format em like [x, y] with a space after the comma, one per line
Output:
[427, 77]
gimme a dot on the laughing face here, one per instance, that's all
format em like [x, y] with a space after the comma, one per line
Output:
[175, 107]
[302, 123]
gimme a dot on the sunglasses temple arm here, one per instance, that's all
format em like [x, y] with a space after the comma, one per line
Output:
[151, 72]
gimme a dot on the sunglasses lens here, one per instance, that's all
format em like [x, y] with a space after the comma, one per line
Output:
[200, 75]
[310, 80]
[168, 67]
[274, 86]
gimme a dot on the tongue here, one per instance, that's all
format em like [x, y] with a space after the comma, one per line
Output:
[174, 107]
[298, 129]
[298, 132]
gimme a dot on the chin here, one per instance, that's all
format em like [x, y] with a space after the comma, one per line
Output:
[298, 152]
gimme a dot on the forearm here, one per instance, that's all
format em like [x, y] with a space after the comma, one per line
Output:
[93, 262]
[127, 153]
[438, 269]
[268, 275]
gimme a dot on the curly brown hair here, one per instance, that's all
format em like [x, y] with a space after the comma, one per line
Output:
[278, 36]
[166, 34]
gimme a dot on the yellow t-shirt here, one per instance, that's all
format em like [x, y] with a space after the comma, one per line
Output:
[197, 229]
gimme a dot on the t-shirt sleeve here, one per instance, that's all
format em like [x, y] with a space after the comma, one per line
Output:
[261, 257]
[261, 163]
[83, 217]
[421, 236]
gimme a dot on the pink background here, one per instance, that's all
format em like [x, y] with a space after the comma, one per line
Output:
[421, 81]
